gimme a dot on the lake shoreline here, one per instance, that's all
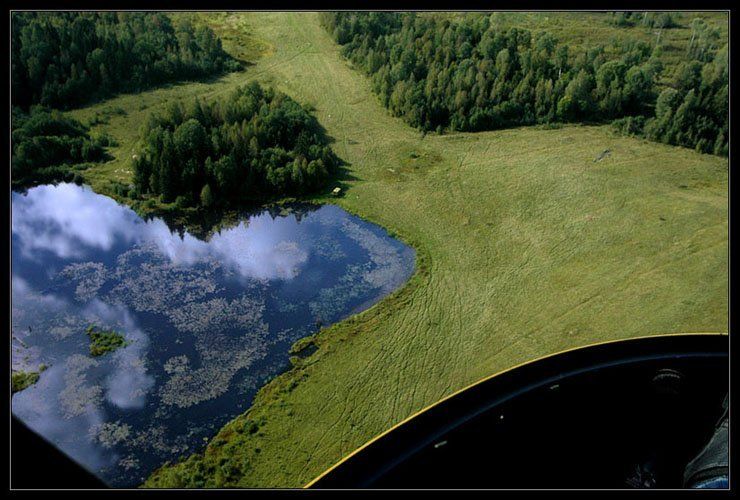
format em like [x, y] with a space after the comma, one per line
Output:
[93, 278]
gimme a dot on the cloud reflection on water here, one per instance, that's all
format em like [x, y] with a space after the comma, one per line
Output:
[41, 414]
[66, 402]
[67, 220]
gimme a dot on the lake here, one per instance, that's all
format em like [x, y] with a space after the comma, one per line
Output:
[208, 322]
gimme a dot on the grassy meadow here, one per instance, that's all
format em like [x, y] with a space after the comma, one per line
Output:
[525, 246]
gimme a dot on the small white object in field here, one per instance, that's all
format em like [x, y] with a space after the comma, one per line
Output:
[336, 191]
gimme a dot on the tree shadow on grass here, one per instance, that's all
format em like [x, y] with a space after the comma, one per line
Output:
[344, 177]
[205, 79]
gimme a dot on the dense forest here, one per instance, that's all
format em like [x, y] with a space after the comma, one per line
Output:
[253, 144]
[65, 59]
[468, 75]
[48, 147]
[693, 112]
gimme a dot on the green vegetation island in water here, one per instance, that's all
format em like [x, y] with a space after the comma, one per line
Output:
[22, 379]
[102, 341]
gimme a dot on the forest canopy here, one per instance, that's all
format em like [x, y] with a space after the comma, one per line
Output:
[253, 144]
[468, 74]
[66, 59]
[48, 146]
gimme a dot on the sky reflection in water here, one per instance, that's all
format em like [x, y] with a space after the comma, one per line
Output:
[208, 322]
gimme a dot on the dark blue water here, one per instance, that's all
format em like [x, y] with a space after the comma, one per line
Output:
[208, 322]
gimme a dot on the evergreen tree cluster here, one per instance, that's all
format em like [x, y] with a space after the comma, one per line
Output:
[48, 146]
[467, 74]
[253, 144]
[65, 59]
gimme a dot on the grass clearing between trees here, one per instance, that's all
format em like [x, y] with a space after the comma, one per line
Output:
[525, 246]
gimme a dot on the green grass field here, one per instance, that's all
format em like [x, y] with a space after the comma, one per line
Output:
[525, 246]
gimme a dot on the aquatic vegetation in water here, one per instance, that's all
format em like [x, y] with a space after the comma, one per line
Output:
[150, 283]
[102, 341]
[332, 301]
[218, 314]
[388, 270]
[222, 357]
[155, 439]
[90, 276]
[328, 248]
[78, 397]
[128, 463]
[286, 307]
[64, 324]
[110, 434]
[177, 364]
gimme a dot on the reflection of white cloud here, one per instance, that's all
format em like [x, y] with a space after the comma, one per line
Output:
[264, 249]
[23, 295]
[128, 383]
[67, 220]
[187, 250]
[28, 307]
[37, 408]
[65, 403]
